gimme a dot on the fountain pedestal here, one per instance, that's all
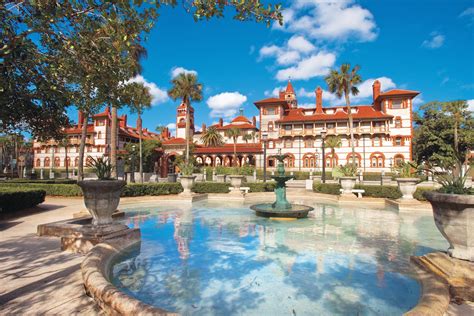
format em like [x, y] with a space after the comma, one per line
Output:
[281, 207]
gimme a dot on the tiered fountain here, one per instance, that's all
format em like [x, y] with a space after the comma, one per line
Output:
[281, 207]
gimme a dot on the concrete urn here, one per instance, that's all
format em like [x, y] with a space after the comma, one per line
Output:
[101, 198]
[347, 184]
[236, 181]
[187, 183]
[454, 217]
[407, 186]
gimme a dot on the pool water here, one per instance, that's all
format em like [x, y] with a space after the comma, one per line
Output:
[216, 259]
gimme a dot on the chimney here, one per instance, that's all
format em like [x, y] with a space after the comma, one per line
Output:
[282, 95]
[221, 122]
[80, 118]
[203, 127]
[254, 121]
[376, 89]
[319, 100]
[139, 123]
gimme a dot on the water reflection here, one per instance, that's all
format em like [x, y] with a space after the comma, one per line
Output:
[212, 259]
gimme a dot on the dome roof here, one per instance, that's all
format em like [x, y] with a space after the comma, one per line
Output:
[241, 119]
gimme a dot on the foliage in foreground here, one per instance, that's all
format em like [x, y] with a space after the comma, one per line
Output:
[15, 198]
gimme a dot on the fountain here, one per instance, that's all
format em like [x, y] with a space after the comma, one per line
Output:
[281, 207]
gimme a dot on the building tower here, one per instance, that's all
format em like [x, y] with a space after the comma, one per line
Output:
[290, 95]
[181, 121]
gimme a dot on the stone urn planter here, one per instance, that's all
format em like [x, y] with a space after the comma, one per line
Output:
[407, 186]
[101, 198]
[454, 217]
[221, 177]
[187, 182]
[347, 184]
[172, 177]
[236, 181]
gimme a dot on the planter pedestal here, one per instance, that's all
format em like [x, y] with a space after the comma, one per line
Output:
[407, 186]
[187, 182]
[347, 184]
[221, 177]
[454, 217]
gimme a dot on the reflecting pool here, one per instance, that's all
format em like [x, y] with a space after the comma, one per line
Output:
[221, 259]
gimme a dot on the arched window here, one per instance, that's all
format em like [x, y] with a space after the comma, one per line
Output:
[46, 162]
[309, 143]
[357, 158]
[309, 161]
[76, 162]
[398, 122]
[67, 162]
[288, 143]
[398, 141]
[331, 161]
[290, 161]
[38, 162]
[377, 160]
[377, 141]
[270, 126]
[398, 159]
[57, 162]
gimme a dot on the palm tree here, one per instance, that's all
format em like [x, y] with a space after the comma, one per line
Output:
[234, 133]
[138, 99]
[212, 137]
[333, 142]
[247, 137]
[186, 88]
[458, 111]
[344, 83]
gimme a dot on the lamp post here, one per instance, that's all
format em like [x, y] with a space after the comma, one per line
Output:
[323, 137]
[264, 139]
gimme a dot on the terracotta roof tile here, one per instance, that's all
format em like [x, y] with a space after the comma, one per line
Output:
[364, 112]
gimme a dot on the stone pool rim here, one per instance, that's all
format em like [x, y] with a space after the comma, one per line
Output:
[96, 274]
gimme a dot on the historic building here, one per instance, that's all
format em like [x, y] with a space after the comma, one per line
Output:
[58, 154]
[382, 133]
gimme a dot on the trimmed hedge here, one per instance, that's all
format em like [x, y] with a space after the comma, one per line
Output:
[419, 192]
[165, 188]
[14, 199]
[380, 191]
[50, 189]
[52, 181]
[327, 188]
[211, 187]
[261, 186]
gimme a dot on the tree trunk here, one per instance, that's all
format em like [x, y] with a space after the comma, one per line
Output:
[140, 135]
[66, 164]
[235, 152]
[113, 142]
[82, 145]
[187, 129]
[351, 125]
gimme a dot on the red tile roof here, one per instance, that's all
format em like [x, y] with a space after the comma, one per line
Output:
[289, 88]
[174, 141]
[399, 92]
[229, 149]
[270, 100]
[239, 126]
[364, 112]
[241, 118]
[77, 130]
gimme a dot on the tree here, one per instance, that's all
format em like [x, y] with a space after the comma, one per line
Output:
[247, 137]
[64, 142]
[149, 154]
[186, 87]
[234, 134]
[440, 127]
[333, 142]
[160, 128]
[37, 36]
[344, 83]
[138, 99]
[212, 138]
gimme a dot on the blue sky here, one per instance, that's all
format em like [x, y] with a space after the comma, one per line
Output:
[424, 45]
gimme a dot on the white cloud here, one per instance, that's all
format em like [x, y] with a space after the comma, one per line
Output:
[225, 104]
[175, 71]
[158, 95]
[306, 105]
[365, 88]
[469, 12]
[269, 51]
[171, 126]
[330, 20]
[299, 43]
[313, 66]
[470, 104]
[418, 100]
[436, 40]
[288, 58]
[274, 93]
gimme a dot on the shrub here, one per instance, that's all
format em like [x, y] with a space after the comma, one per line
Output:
[211, 187]
[261, 186]
[381, 191]
[244, 170]
[164, 188]
[419, 193]
[50, 189]
[327, 188]
[50, 181]
[14, 198]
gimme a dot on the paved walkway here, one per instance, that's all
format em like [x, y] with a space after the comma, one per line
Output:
[38, 279]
